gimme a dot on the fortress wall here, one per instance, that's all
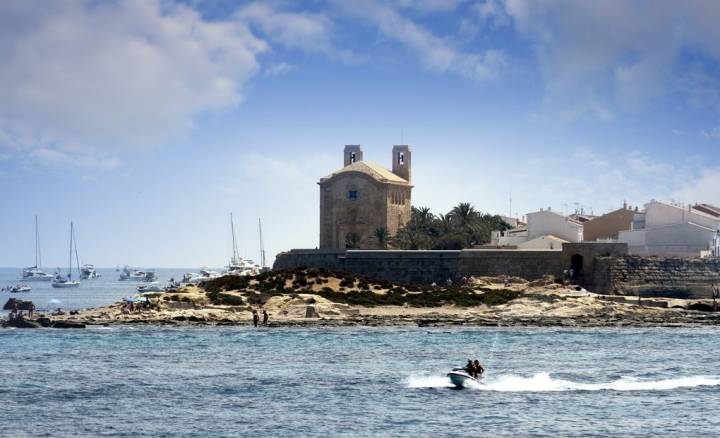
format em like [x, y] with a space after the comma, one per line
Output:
[428, 266]
[654, 276]
[606, 267]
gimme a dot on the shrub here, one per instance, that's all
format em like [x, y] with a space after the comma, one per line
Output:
[227, 299]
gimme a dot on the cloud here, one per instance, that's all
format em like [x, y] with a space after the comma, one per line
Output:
[711, 134]
[310, 32]
[435, 54]
[704, 188]
[642, 164]
[60, 159]
[279, 69]
[594, 56]
[87, 76]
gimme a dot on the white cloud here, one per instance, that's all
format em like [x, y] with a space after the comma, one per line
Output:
[594, 55]
[704, 188]
[83, 76]
[61, 159]
[435, 53]
[311, 32]
[279, 69]
[643, 165]
[712, 134]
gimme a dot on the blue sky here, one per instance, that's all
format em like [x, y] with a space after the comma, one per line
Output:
[148, 122]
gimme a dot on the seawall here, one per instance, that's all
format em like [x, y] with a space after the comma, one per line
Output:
[428, 266]
[600, 267]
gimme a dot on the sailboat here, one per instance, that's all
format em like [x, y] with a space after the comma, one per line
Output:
[62, 282]
[263, 268]
[35, 273]
[238, 265]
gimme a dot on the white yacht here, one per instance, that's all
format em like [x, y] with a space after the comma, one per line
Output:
[129, 274]
[238, 265]
[67, 282]
[35, 273]
[21, 287]
[198, 277]
[88, 272]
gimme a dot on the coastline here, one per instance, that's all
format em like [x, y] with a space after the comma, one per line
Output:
[307, 298]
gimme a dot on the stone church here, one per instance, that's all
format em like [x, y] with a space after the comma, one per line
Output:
[362, 197]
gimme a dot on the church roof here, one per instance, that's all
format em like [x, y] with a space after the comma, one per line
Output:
[371, 169]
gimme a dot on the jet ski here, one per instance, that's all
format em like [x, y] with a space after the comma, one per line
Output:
[461, 379]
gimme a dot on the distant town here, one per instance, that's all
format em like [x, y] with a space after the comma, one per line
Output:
[364, 205]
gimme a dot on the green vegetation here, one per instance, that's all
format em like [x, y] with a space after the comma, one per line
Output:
[226, 299]
[462, 227]
[353, 290]
[398, 296]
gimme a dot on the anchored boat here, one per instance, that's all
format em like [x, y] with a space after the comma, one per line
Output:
[35, 273]
[67, 282]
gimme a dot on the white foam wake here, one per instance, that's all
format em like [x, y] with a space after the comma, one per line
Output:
[543, 382]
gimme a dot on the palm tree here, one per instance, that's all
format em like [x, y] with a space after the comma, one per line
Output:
[352, 240]
[381, 234]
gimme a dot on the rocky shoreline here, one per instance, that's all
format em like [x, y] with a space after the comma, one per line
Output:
[322, 299]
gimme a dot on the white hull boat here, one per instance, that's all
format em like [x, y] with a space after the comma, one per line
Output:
[65, 284]
[461, 379]
[61, 282]
[88, 272]
[20, 288]
[35, 273]
[150, 288]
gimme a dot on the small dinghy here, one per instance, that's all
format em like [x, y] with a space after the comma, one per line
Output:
[461, 379]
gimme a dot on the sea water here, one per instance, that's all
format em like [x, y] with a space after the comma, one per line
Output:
[101, 291]
[241, 381]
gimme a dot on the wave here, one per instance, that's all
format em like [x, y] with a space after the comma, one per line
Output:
[543, 382]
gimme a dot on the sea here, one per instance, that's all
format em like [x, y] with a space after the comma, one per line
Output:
[358, 381]
[101, 291]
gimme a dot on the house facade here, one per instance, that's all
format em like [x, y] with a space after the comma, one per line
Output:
[667, 229]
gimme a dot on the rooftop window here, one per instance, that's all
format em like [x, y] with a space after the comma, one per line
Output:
[352, 195]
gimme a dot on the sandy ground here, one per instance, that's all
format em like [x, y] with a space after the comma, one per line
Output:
[540, 304]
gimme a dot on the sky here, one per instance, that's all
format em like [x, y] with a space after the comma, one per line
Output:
[148, 122]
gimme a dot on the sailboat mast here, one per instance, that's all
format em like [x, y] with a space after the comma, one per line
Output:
[38, 259]
[77, 259]
[262, 247]
[235, 252]
[71, 252]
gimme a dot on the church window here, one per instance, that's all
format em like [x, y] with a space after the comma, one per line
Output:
[352, 157]
[401, 158]
[352, 195]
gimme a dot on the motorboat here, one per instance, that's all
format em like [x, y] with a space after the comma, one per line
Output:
[461, 379]
[19, 288]
[61, 281]
[35, 273]
[129, 274]
[198, 277]
[152, 287]
[88, 272]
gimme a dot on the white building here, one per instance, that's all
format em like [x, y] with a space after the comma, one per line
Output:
[545, 229]
[674, 230]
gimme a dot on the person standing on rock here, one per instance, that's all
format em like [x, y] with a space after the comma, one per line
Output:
[265, 317]
[256, 318]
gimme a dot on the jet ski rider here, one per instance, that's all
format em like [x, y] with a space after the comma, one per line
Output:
[474, 369]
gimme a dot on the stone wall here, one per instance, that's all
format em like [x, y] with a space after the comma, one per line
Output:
[428, 266]
[658, 277]
[606, 267]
